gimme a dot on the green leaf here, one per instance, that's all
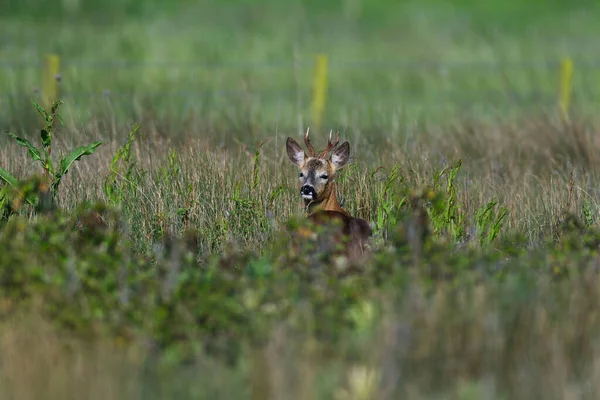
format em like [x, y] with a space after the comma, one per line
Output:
[40, 110]
[8, 178]
[75, 155]
[46, 138]
[33, 151]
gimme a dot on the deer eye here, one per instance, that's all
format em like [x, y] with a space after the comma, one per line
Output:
[301, 174]
[324, 177]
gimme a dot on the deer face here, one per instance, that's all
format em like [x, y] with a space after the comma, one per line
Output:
[317, 188]
[316, 172]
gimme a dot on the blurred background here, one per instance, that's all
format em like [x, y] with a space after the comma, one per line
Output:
[247, 68]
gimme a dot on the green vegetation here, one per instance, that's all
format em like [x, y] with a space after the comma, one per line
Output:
[222, 67]
[162, 265]
[54, 174]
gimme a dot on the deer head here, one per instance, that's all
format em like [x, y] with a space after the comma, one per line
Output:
[317, 172]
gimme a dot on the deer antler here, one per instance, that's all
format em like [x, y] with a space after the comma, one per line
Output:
[311, 149]
[330, 146]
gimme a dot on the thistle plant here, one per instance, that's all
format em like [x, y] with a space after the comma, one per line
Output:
[53, 171]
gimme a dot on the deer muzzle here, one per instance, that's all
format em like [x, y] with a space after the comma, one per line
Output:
[308, 192]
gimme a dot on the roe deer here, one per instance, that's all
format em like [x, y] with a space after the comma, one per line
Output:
[318, 190]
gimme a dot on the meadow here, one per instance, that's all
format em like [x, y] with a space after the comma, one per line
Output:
[161, 266]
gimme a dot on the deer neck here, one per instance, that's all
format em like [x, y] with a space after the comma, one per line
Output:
[328, 203]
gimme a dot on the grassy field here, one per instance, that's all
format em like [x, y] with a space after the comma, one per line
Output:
[163, 269]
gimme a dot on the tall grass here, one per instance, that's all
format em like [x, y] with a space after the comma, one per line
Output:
[461, 317]
[167, 185]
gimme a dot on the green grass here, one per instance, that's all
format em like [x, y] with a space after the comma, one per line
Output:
[164, 269]
[220, 68]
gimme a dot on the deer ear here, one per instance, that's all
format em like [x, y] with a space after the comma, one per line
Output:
[339, 157]
[295, 152]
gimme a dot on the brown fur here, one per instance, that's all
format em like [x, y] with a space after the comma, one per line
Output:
[317, 173]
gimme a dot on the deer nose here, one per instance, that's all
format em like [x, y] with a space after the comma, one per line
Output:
[308, 191]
